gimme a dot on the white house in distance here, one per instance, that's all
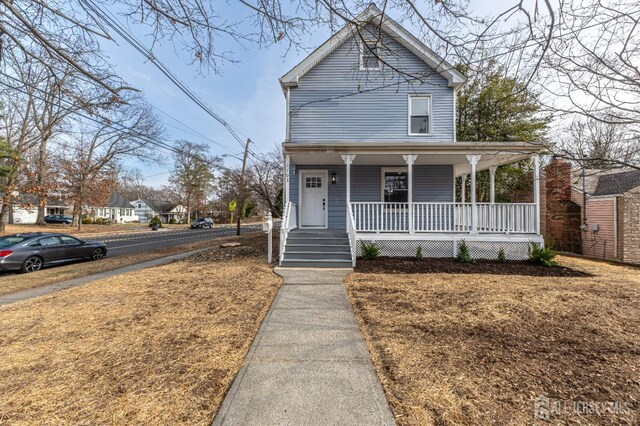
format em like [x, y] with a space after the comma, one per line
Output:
[372, 156]
[25, 208]
[118, 210]
[145, 209]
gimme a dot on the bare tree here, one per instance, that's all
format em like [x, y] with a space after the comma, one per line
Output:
[193, 175]
[90, 160]
[601, 145]
[265, 179]
[20, 136]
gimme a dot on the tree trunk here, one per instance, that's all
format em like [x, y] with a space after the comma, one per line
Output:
[6, 205]
[41, 181]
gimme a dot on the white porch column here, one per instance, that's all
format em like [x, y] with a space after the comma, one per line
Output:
[410, 159]
[536, 189]
[473, 160]
[287, 161]
[348, 159]
[463, 188]
[492, 184]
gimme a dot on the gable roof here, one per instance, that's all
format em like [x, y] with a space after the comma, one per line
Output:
[617, 183]
[389, 26]
[118, 200]
[159, 206]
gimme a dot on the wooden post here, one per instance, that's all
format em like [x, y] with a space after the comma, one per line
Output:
[410, 159]
[285, 190]
[473, 160]
[348, 159]
[536, 189]
[492, 184]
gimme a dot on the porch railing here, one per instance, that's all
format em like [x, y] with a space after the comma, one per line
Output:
[444, 217]
[381, 217]
[289, 223]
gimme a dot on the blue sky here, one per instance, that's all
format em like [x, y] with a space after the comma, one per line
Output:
[246, 94]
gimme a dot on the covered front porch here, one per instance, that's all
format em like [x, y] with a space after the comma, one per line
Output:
[405, 196]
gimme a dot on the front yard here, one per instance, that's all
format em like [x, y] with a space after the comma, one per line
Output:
[462, 349]
[156, 346]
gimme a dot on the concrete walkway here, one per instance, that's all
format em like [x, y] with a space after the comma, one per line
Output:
[30, 293]
[308, 364]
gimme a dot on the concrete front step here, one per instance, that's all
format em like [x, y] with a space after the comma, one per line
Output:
[316, 263]
[324, 233]
[313, 241]
[318, 248]
[335, 248]
[306, 255]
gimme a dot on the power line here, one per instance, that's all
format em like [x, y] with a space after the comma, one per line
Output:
[136, 135]
[112, 22]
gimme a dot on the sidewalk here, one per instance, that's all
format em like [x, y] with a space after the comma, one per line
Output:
[308, 363]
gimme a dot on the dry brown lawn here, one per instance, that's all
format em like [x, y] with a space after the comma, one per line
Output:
[477, 349]
[12, 282]
[157, 346]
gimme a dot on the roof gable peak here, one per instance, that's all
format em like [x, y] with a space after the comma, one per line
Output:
[372, 14]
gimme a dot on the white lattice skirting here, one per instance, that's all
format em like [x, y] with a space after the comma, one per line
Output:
[514, 250]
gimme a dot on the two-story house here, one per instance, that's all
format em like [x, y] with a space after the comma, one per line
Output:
[371, 155]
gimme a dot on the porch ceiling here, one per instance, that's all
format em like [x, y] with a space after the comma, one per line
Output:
[492, 153]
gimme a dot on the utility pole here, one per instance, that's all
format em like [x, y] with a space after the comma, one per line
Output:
[242, 186]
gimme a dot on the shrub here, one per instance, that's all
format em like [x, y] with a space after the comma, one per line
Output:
[87, 221]
[541, 255]
[173, 221]
[419, 252]
[370, 251]
[502, 256]
[463, 253]
[155, 220]
[99, 221]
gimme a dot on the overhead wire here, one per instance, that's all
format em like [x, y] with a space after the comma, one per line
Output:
[114, 24]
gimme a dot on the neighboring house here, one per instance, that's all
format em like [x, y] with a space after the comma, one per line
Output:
[166, 210]
[117, 209]
[25, 208]
[372, 156]
[609, 226]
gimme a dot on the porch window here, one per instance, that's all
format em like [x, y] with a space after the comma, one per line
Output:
[369, 55]
[396, 185]
[419, 115]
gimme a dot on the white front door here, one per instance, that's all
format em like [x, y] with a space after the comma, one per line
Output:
[314, 199]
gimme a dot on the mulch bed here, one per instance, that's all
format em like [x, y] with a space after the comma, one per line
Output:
[410, 265]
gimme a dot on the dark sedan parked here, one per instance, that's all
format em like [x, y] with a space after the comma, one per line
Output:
[30, 252]
[58, 218]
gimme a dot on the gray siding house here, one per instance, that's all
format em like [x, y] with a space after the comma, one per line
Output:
[371, 155]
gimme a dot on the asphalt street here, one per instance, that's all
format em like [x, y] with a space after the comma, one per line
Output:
[134, 243]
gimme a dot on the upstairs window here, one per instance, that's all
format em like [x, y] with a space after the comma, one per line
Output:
[369, 54]
[419, 115]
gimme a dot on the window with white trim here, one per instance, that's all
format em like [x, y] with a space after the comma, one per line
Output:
[419, 114]
[395, 184]
[369, 52]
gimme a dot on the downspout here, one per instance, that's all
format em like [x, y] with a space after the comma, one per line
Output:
[584, 198]
[615, 227]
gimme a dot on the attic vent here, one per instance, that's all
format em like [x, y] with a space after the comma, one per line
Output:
[369, 55]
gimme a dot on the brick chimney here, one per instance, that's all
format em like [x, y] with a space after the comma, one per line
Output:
[563, 216]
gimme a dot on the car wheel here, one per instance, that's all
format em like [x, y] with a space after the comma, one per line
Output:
[32, 264]
[16, 221]
[97, 254]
